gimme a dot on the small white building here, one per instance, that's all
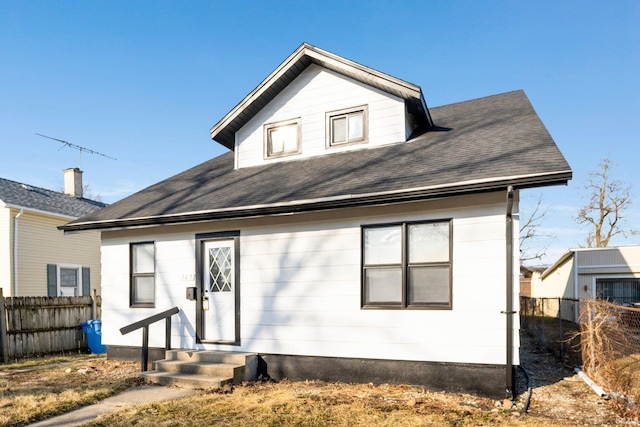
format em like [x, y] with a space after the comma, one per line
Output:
[611, 273]
[351, 233]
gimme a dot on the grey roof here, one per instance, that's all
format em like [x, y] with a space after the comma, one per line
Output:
[305, 55]
[16, 194]
[480, 145]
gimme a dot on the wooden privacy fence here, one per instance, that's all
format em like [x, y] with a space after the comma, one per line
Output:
[32, 326]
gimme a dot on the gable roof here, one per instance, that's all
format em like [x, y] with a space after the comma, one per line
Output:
[22, 196]
[305, 55]
[571, 253]
[476, 146]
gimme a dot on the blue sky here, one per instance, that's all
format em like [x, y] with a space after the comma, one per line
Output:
[144, 81]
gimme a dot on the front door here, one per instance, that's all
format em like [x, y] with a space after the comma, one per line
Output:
[219, 291]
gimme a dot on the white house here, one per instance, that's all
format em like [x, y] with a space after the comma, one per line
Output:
[351, 233]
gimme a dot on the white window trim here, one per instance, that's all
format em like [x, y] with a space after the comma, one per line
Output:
[78, 269]
[329, 116]
[270, 126]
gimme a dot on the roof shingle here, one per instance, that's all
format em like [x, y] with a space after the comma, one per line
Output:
[477, 145]
[26, 196]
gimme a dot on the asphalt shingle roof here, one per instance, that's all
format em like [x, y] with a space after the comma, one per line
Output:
[27, 196]
[478, 145]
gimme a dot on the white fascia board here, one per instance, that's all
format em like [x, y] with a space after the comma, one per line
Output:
[41, 212]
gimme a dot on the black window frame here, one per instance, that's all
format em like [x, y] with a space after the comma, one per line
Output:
[132, 276]
[331, 116]
[405, 266]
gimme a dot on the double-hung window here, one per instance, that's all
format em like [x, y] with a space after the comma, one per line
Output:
[143, 287]
[407, 265]
[347, 126]
[282, 138]
[68, 280]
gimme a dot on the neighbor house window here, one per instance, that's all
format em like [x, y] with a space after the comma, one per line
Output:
[622, 290]
[407, 265]
[143, 286]
[347, 126]
[68, 280]
[282, 138]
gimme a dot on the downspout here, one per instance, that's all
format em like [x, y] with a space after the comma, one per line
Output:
[15, 253]
[510, 378]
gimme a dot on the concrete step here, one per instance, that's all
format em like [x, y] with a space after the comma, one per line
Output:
[192, 381]
[203, 369]
[224, 370]
[210, 356]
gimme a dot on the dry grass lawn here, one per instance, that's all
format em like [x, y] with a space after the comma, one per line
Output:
[315, 403]
[559, 399]
[29, 392]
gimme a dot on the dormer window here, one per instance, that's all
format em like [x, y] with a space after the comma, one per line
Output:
[282, 138]
[347, 126]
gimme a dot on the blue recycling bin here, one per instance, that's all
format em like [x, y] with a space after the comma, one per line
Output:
[93, 331]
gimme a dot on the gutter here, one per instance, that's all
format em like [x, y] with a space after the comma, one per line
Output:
[14, 293]
[326, 203]
[510, 377]
[41, 212]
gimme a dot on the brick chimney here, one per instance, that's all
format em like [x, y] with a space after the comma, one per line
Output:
[73, 182]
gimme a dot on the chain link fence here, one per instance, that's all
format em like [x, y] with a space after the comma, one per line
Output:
[553, 322]
[610, 337]
[602, 337]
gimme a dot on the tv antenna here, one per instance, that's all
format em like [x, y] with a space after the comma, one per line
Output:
[77, 147]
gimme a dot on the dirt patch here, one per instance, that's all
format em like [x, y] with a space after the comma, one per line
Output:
[559, 394]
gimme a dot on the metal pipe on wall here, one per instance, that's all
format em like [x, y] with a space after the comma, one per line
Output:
[510, 378]
[14, 292]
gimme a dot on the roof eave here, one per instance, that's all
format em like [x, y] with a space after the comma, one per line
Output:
[330, 203]
[39, 211]
[306, 54]
[557, 264]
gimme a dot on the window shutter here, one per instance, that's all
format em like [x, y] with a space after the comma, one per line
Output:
[52, 280]
[86, 281]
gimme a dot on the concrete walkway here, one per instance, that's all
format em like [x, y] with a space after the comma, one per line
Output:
[133, 396]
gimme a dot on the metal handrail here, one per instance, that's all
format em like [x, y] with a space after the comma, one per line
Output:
[144, 323]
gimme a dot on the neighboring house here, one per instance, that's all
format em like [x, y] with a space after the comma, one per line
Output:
[351, 233]
[611, 274]
[36, 258]
[528, 275]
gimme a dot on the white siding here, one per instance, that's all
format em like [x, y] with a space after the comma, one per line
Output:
[313, 93]
[300, 286]
[6, 269]
[558, 284]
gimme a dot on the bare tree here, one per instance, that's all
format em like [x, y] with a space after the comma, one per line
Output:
[608, 200]
[533, 243]
[87, 191]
